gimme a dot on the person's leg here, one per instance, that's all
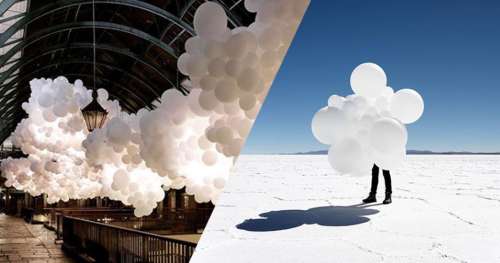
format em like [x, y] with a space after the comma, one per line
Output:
[372, 197]
[388, 186]
[375, 172]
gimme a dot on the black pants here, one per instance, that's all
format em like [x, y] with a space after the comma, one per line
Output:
[387, 179]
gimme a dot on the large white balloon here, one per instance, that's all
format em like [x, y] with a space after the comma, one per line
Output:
[407, 105]
[210, 21]
[389, 161]
[348, 157]
[388, 135]
[329, 125]
[369, 80]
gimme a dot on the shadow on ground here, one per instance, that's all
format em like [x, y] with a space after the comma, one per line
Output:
[324, 216]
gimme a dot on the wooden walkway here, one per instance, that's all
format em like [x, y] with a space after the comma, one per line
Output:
[22, 242]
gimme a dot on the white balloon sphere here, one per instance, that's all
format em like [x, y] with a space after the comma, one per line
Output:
[348, 157]
[209, 158]
[193, 45]
[369, 80]
[45, 100]
[217, 67]
[208, 83]
[328, 125]
[253, 5]
[389, 161]
[388, 135]
[118, 131]
[336, 101]
[182, 63]
[226, 90]
[207, 100]
[219, 182]
[407, 105]
[210, 21]
[247, 102]
[248, 79]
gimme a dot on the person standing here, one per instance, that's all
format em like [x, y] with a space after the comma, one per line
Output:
[372, 197]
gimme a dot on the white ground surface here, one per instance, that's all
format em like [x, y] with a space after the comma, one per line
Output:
[445, 209]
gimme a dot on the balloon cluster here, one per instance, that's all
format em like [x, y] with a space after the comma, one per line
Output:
[231, 70]
[367, 127]
[52, 136]
[187, 141]
[229, 74]
[115, 150]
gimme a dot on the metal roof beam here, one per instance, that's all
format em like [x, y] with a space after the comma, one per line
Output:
[63, 4]
[82, 45]
[75, 61]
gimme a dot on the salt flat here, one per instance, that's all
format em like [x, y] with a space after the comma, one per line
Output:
[278, 208]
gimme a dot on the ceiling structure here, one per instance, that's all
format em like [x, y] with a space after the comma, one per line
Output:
[137, 44]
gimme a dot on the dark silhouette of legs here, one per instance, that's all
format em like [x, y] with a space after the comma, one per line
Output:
[388, 187]
[372, 197]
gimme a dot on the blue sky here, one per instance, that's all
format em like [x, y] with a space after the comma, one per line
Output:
[447, 50]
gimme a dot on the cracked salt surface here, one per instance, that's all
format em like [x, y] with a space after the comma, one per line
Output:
[445, 209]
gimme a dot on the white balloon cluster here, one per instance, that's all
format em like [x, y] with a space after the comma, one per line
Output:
[52, 136]
[187, 141]
[367, 127]
[230, 73]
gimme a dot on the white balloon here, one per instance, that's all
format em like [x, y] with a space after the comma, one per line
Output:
[118, 131]
[348, 157]
[247, 102]
[233, 68]
[209, 158]
[389, 161]
[194, 45]
[219, 182]
[207, 100]
[217, 67]
[388, 135]
[407, 105]
[182, 63]
[208, 83]
[196, 66]
[329, 125]
[226, 90]
[248, 79]
[210, 20]
[369, 80]
[253, 5]
[336, 101]
[45, 100]
[239, 44]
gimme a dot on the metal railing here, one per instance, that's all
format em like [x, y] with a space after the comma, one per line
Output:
[55, 216]
[110, 243]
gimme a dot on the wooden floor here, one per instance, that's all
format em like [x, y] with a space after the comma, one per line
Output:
[22, 242]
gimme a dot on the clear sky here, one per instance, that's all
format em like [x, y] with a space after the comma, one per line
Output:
[448, 50]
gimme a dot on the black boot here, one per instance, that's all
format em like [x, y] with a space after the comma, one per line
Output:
[372, 198]
[387, 199]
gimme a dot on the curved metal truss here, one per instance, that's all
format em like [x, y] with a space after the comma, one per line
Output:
[137, 45]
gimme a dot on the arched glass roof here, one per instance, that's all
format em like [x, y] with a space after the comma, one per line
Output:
[137, 46]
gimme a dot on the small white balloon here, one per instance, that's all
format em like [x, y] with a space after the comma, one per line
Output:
[209, 158]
